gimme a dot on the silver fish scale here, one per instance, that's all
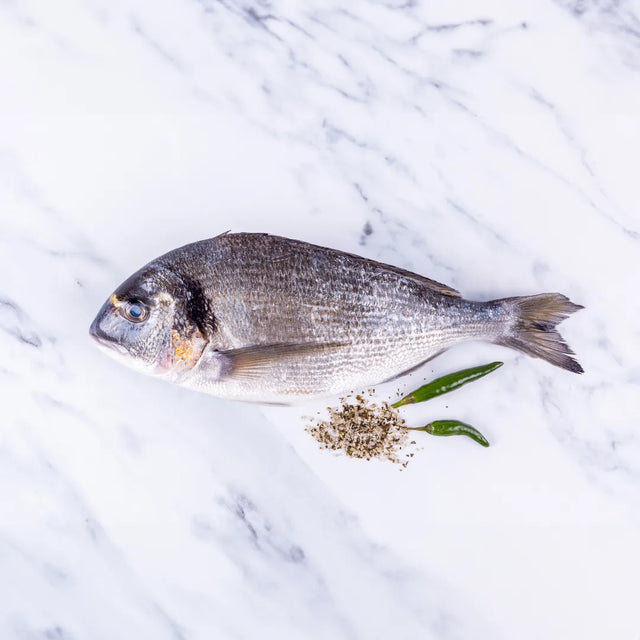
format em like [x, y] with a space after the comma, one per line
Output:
[267, 290]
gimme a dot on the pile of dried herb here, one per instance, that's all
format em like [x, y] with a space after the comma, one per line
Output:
[364, 429]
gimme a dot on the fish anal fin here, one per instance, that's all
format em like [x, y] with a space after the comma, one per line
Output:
[414, 368]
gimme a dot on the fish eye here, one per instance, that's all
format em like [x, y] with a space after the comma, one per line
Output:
[134, 311]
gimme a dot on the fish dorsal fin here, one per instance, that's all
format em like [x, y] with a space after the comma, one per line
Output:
[258, 360]
[435, 286]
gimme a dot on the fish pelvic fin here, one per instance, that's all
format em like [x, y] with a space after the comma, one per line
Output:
[534, 330]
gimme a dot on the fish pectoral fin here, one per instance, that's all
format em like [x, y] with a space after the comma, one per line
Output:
[258, 360]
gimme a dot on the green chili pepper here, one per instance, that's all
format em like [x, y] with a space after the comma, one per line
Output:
[452, 428]
[447, 383]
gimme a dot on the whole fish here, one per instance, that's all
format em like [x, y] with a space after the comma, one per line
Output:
[256, 317]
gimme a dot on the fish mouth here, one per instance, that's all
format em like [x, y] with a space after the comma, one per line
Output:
[103, 340]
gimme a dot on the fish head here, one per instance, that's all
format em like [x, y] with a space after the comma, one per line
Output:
[148, 324]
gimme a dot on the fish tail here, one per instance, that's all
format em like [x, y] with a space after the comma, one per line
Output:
[533, 328]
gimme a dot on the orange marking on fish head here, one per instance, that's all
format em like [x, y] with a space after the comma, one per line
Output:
[187, 348]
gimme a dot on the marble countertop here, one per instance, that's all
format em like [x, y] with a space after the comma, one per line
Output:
[491, 146]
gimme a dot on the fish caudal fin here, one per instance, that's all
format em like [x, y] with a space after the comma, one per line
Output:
[534, 329]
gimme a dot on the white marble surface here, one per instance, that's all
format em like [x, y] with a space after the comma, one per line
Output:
[492, 146]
